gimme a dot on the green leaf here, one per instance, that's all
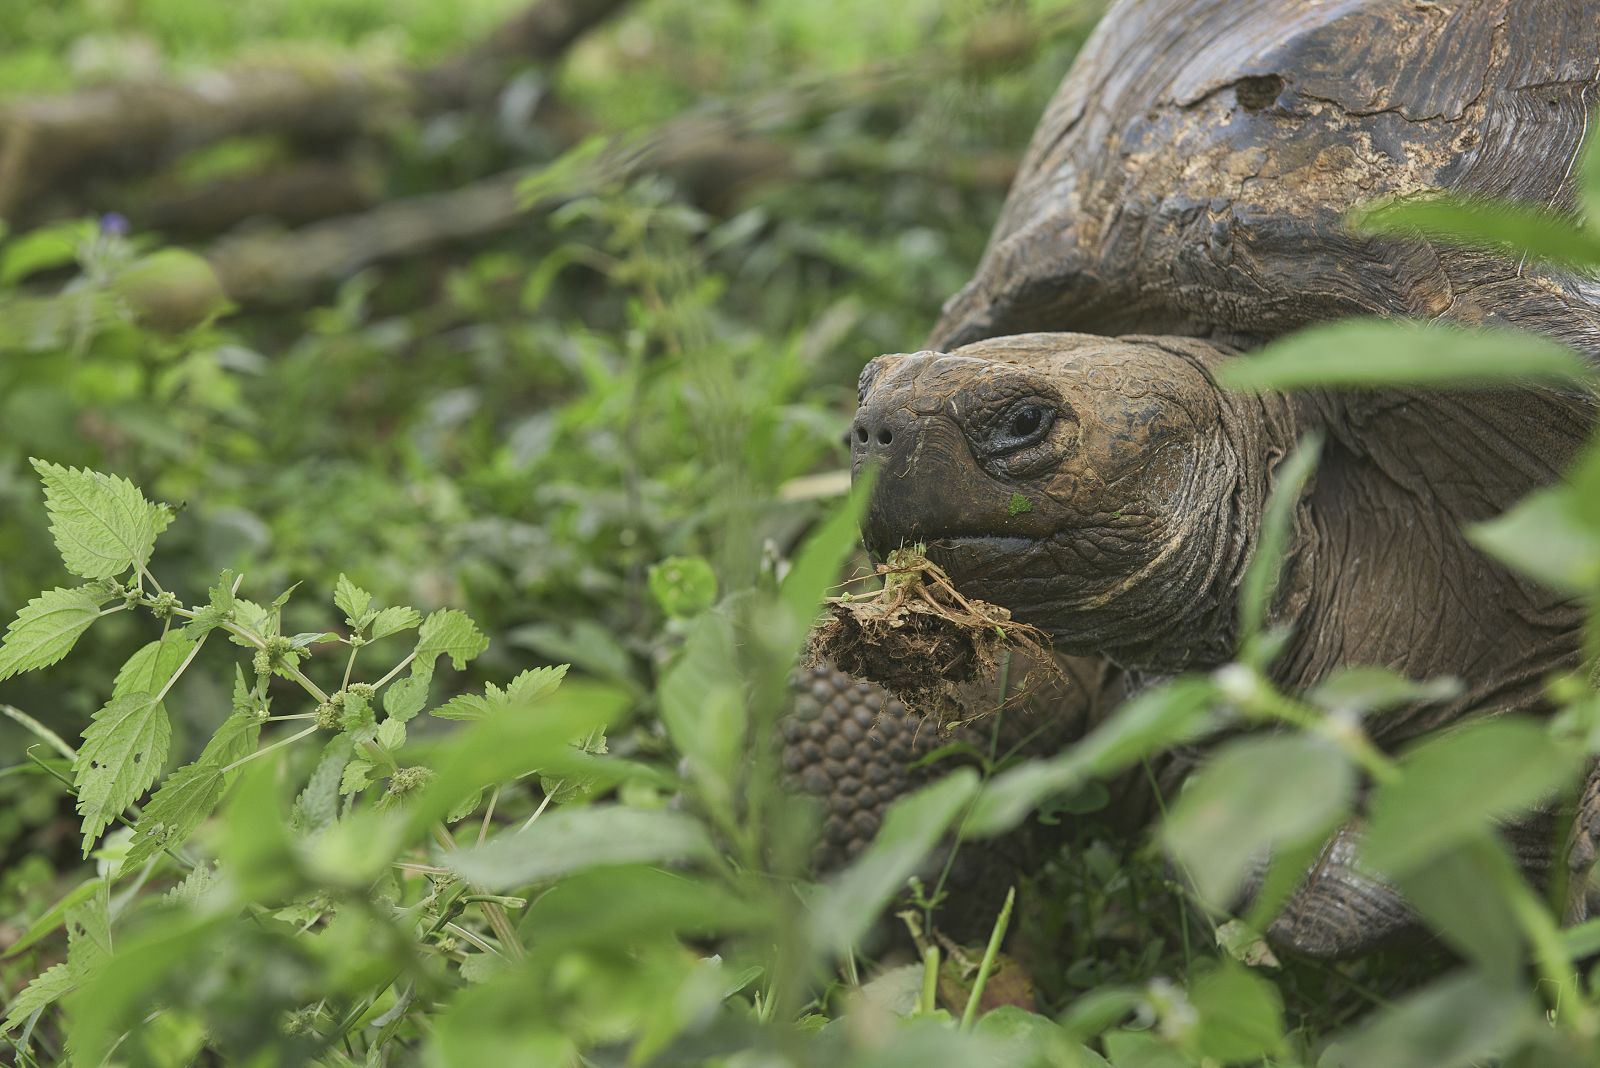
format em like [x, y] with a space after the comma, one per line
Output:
[1588, 178]
[318, 804]
[1377, 353]
[89, 932]
[102, 524]
[450, 632]
[391, 734]
[1452, 219]
[121, 755]
[1455, 785]
[1156, 719]
[1241, 1016]
[569, 840]
[1253, 797]
[1458, 895]
[152, 666]
[535, 685]
[1462, 1020]
[183, 802]
[113, 1001]
[405, 697]
[54, 917]
[510, 743]
[1376, 689]
[394, 620]
[217, 609]
[44, 249]
[1546, 537]
[351, 599]
[683, 586]
[47, 987]
[1265, 569]
[848, 903]
[47, 628]
[702, 702]
[816, 568]
[606, 907]
[527, 688]
[355, 777]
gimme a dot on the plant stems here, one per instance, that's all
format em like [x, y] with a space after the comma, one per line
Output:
[986, 966]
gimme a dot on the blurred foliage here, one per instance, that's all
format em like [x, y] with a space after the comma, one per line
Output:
[587, 433]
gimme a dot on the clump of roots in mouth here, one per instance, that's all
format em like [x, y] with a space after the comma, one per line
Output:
[928, 644]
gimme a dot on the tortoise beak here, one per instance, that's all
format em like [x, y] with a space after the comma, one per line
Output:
[918, 463]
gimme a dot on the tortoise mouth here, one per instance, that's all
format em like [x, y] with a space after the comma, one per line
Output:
[987, 566]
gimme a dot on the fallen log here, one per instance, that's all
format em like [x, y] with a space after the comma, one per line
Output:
[51, 143]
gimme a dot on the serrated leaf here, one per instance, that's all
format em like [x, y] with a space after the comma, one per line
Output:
[449, 632]
[152, 665]
[318, 804]
[193, 887]
[351, 599]
[405, 697]
[121, 755]
[252, 617]
[47, 628]
[54, 917]
[465, 707]
[394, 620]
[234, 740]
[530, 686]
[102, 524]
[47, 988]
[89, 933]
[357, 775]
[535, 684]
[392, 734]
[183, 802]
[217, 609]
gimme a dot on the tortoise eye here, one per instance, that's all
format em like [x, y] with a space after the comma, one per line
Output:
[1024, 425]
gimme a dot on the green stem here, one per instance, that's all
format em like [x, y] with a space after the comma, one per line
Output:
[992, 950]
[279, 744]
[930, 981]
[394, 671]
[499, 922]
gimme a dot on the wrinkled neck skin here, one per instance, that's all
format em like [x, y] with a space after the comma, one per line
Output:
[1180, 610]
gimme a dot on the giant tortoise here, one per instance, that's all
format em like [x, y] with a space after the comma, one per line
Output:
[1184, 200]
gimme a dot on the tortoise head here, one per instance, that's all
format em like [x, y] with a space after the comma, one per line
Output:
[1104, 490]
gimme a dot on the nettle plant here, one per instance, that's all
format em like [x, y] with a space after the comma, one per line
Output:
[106, 531]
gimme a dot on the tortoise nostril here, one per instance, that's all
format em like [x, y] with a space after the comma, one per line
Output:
[885, 436]
[861, 434]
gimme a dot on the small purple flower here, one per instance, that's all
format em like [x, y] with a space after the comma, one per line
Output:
[114, 224]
